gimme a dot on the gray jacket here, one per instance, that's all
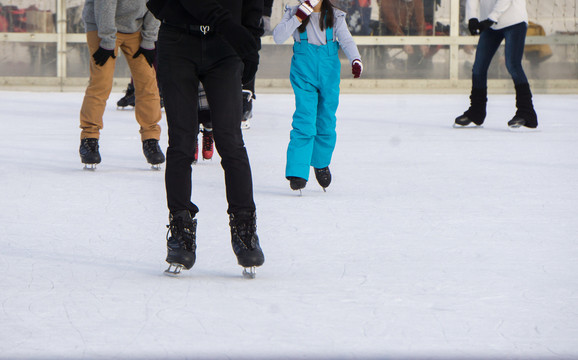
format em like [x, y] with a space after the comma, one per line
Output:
[125, 16]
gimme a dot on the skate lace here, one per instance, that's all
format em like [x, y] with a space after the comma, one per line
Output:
[246, 232]
[207, 140]
[91, 144]
[150, 146]
[180, 231]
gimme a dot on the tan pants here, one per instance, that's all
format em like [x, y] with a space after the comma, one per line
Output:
[147, 99]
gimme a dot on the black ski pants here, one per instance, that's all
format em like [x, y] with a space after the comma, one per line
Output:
[186, 57]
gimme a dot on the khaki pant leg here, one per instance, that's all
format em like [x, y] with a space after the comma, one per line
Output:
[97, 92]
[147, 100]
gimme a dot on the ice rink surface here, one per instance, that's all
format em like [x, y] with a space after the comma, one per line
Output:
[431, 242]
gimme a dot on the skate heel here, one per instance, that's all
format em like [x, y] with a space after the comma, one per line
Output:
[250, 272]
[174, 269]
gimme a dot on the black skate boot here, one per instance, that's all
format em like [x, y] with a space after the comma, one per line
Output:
[323, 177]
[247, 109]
[477, 111]
[181, 245]
[153, 153]
[89, 154]
[525, 115]
[128, 98]
[245, 242]
[296, 183]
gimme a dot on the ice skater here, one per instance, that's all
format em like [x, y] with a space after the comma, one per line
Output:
[128, 25]
[216, 43]
[503, 19]
[318, 29]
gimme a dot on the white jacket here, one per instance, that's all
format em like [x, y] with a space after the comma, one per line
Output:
[504, 12]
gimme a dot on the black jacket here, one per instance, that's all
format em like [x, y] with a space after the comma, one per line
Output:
[211, 12]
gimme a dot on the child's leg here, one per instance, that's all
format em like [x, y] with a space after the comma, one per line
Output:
[326, 137]
[302, 136]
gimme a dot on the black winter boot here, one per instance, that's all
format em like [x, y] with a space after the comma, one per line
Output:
[525, 115]
[244, 239]
[477, 111]
[182, 243]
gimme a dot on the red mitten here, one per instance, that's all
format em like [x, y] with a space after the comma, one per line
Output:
[356, 68]
[305, 9]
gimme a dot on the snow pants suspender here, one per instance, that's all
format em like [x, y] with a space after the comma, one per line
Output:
[315, 77]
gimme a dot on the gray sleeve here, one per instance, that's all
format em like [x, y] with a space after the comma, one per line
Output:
[287, 26]
[105, 11]
[150, 31]
[344, 37]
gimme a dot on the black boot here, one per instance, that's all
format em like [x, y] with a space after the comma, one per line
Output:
[182, 243]
[152, 151]
[296, 183]
[128, 98]
[477, 111]
[244, 239]
[525, 115]
[323, 177]
[88, 150]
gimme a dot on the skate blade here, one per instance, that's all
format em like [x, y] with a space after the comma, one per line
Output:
[469, 126]
[156, 167]
[250, 272]
[173, 269]
[89, 167]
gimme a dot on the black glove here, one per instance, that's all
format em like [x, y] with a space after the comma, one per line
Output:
[101, 55]
[148, 54]
[485, 25]
[238, 37]
[249, 70]
[473, 26]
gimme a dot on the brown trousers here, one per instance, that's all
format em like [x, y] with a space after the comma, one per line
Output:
[147, 100]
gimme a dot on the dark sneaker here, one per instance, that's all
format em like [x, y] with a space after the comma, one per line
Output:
[244, 239]
[88, 150]
[182, 242]
[152, 151]
[323, 176]
[296, 183]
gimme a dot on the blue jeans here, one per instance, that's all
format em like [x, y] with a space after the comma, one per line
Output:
[489, 43]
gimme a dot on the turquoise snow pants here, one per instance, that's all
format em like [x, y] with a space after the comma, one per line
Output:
[315, 76]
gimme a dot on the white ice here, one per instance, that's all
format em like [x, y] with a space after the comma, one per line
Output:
[431, 242]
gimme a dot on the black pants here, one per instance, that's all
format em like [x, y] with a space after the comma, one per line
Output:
[184, 60]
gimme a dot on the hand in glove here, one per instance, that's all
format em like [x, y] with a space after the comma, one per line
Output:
[249, 70]
[149, 55]
[356, 68]
[238, 37]
[485, 25]
[306, 8]
[101, 55]
[473, 26]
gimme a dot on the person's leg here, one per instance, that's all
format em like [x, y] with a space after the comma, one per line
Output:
[179, 81]
[325, 124]
[147, 99]
[221, 79]
[515, 40]
[487, 46]
[97, 92]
